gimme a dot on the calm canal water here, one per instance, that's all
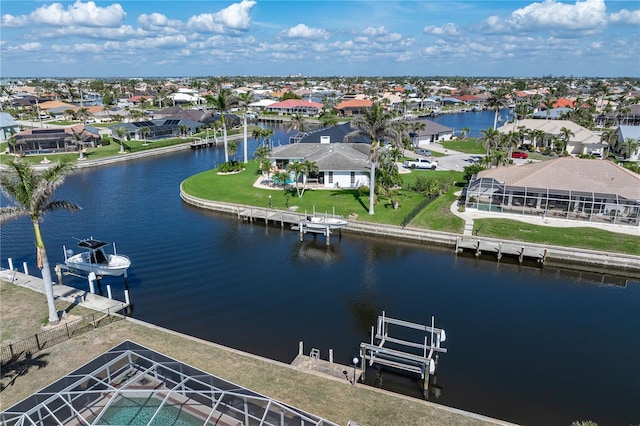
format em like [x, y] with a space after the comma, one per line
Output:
[539, 347]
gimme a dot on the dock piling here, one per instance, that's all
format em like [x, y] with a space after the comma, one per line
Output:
[26, 268]
[10, 264]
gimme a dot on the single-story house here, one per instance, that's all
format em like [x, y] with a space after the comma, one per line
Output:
[156, 129]
[295, 106]
[583, 141]
[8, 126]
[333, 134]
[552, 114]
[341, 165]
[565, 188]
[433, 132]
[58, 139]
[353, 106]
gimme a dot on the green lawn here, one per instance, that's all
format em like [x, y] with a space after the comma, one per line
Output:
[237, 188]
[468, 146]
[581, 237]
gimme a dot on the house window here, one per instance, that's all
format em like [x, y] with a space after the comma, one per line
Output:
[330, 177]
[353, 178]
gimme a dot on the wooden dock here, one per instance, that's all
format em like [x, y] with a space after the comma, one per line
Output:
[202, 143]
[297, 221]
[498, 248]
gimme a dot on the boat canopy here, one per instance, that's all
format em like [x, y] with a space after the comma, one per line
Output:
[91, 244]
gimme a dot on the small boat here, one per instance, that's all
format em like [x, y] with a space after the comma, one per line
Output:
[96, 260]
[322, 222]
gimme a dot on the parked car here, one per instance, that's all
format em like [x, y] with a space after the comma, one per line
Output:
[421, 163]
[519, 154]
[421, 151]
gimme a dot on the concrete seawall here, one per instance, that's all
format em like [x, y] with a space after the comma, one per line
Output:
[565, 257]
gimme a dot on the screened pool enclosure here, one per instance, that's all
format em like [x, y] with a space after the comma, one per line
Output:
[488, 194]
[131, 384]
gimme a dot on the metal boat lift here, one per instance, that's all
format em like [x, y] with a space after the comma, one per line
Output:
[422, 360]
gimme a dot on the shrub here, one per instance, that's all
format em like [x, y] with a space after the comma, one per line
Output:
[230, 166]
[363, 190]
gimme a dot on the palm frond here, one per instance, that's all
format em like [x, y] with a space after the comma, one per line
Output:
[12, 212]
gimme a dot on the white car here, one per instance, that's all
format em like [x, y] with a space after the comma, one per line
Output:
[421, 163]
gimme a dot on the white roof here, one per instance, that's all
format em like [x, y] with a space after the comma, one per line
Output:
[262, 103]
[552, 127]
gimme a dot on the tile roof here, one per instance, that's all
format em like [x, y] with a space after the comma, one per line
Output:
[552, 127]
[293, 103]
[55, 104]
[571, 174]
[354, 103]
[342, 156]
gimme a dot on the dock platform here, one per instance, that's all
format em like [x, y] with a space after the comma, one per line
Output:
[498, 248]
[202, 143]
[70, 294]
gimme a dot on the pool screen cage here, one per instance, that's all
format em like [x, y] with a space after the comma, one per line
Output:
[129, 373]
[487, 194]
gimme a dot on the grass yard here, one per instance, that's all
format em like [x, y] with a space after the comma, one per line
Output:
[581, 237]
[468, 146]
[238, 188]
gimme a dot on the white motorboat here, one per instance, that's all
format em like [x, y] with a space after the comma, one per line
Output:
[322, 222]
[96, 260]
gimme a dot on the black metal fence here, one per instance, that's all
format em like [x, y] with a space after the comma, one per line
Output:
[417, 209]
[25, 348]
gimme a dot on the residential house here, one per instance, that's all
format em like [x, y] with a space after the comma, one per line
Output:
[341, 165]
[433, 132]
[333, 134]
[351, 107]
[583, 141]
[565, 188]
[52, 140]
[8, 126]
[295, 106]
[156, 129]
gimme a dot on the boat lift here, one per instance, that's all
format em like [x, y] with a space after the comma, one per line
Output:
[423, 363]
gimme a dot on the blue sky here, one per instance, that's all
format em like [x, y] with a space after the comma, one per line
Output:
[320, 38]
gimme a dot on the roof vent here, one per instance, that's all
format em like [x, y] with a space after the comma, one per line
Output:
[325, 139]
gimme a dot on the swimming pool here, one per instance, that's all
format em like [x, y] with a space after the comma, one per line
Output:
[140, 411]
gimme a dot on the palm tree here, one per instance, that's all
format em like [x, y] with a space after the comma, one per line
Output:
[245, 100]
[221, 103]
[232, 149]
[77, 137]
[143, 132]
[490, 139]
[262, 154]
[121, 132]
[416, 128]
[629, 147]
[465, 132]
[298, 169]
[376, 125]
[31, 192]
[495, 102]
[565, 136]
[297, 123]
[510, 141]
[610, 138]
[183, 130]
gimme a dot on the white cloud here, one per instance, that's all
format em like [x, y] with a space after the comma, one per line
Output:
[233, 18]
[585, 15]
[448, 29]
[30, 47]
[78, 13]
[303, 31]
[626, 17]
[157, 21]
[375, 32]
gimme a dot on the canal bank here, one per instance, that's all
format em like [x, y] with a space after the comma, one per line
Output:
[323, 395]
[569, 258]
